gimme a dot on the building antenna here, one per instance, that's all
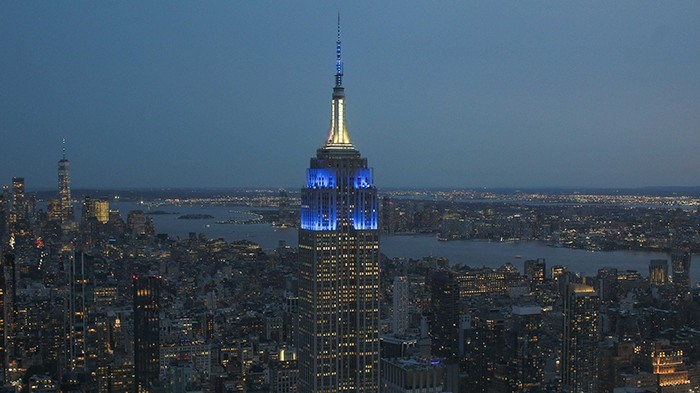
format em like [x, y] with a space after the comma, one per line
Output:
[338, 60]
[64, 148]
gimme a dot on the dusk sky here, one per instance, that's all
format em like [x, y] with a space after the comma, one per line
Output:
[451, 94]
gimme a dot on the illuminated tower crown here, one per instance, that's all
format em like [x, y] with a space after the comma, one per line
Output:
[338, 137]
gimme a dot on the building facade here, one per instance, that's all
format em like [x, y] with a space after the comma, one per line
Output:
[339, 264]
[64, 197]
[146, 332]
[581, 335]
[680, 264]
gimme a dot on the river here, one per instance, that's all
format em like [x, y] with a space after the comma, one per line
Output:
[468, 252]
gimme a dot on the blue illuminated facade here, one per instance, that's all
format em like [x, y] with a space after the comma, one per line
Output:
[319, 210]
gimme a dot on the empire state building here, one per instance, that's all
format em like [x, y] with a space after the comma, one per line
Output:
[339, 264]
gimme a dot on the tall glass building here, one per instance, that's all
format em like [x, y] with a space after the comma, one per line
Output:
[339, 264]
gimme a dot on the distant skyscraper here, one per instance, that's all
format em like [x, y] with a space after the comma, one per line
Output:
[64, 187]
[680, 264]
[444, 325]
[485, 351]
[95, 208]
[8, 281]
[339, 264]
[18, 213]
[580, 345]
[535, 270]
[146, 332]
[526, 368]
[3, 335]
[136, 222]
[399, 316]
[607, 284]
[658, 272]
[4, 214]
[79, 304]
[284, 218]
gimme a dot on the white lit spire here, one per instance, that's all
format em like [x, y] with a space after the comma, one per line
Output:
[338, 137]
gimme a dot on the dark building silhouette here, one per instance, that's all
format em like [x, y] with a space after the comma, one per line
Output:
[444, 324]
[146, 332]
[8, 286]
[607, 284]
[485, 351]
[680, 264]
[3, 344]
[535, 270]
[5, 207]
[339, 265]
[284, 215]
[79, 310]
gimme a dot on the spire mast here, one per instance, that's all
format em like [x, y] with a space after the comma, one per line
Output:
[338, 60]
[64, 148]
[338, 137]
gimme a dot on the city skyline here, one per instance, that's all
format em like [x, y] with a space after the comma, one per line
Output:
[224, 95]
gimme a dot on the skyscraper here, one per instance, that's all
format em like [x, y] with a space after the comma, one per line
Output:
[79, 310]
[64, 197]
[8, 281]
[95, 208]
[399, 313]
[581, 336]
[18, 213]
[526, 368]
[658, 272]
[146, 332]
[680, 264]
[339, 264]
[3, 336]
[444, 324]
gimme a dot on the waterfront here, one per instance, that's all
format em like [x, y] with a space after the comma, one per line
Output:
[466, 252]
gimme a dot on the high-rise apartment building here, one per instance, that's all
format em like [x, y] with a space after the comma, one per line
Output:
[339, 264]
[579, 358]
[399, 312]
[146, 332]
[526, 361]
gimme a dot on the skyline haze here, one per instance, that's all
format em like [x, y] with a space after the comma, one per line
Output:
[457, 95]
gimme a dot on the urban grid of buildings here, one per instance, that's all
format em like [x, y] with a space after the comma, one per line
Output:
[96, 303]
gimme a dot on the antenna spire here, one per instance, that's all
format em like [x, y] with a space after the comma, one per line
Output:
[338, 60]
[64, 148]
